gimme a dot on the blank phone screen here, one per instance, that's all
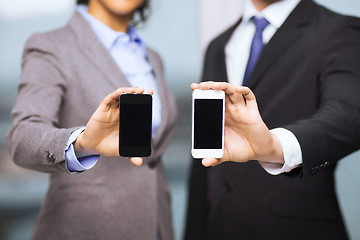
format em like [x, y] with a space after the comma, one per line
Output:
[135, 125]
[208, 127]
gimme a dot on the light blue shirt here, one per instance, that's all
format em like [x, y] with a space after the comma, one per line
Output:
[129, 53]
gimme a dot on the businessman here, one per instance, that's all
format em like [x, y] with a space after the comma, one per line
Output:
[302, 63]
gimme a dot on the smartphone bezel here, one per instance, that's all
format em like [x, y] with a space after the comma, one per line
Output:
[207, 94]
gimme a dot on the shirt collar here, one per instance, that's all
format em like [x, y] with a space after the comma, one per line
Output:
[276, 13]
[108, 36]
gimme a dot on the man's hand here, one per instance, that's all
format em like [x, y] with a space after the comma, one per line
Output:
[101, 135]
[246, 135]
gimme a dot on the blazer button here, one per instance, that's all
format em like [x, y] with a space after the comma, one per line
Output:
[153, 164]
[228, 187]
[51, 158]
[315, 170]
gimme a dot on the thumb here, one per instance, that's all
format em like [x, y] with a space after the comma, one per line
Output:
[136, 161]
[210, 162]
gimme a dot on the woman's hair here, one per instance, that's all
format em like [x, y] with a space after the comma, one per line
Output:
[140, 14]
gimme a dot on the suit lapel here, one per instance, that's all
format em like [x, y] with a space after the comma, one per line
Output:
[96, 53]
[285, 36]
[219, 73]
[157, 68]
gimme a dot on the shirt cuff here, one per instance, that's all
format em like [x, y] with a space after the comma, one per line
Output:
[291, 151]
[73, 163]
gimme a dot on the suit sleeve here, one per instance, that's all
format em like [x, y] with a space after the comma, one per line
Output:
[334, 130]
[35, 140]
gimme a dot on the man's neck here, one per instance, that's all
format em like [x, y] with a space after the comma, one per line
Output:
[262, 4]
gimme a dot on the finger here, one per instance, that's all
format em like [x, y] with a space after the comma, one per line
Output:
[138, 90]
[108, 100]
[213, 85]
[228, 88]
[232, 96]
[237, 99]
[228, 101]
[131, 90]
[114, 96]
[210, 162]
[136, 161]
[151, 92]
[206, 85]
[223, 86]
[194, 86]
[247, 94]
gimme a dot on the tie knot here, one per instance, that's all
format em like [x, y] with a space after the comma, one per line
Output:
[260, 23]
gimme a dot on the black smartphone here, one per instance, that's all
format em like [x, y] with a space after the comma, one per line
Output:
[135, 125]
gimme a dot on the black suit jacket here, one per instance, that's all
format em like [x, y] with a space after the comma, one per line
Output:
[307, 80]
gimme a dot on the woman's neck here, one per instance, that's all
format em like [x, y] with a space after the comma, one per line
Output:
[115, 21]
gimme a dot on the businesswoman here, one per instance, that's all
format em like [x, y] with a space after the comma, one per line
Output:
[65, 122]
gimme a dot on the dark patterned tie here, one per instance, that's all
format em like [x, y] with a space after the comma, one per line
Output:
[256, 46]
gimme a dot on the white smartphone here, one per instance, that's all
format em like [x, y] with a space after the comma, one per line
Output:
[208, 117]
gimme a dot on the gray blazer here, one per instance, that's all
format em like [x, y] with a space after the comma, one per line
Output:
[65, 75]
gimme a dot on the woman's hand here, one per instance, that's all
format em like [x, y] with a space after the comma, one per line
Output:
[246, 136]
[101, 135]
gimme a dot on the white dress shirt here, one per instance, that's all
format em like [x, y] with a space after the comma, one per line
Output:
[237, 52]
